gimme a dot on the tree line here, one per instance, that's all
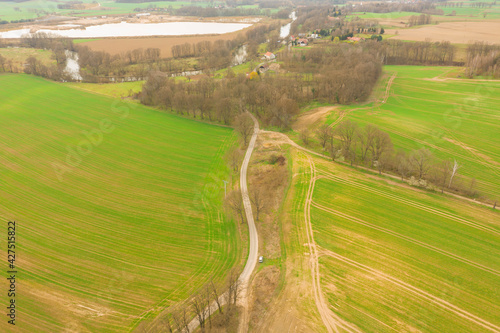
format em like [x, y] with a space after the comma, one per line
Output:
[421, 19]
[396, 52]
[371, 147]
[482, 59]
[426, 7]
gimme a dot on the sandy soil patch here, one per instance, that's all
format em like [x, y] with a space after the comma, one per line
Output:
[309, 118]
[455, 32]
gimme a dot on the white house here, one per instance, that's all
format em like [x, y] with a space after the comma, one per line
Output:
[269, 56]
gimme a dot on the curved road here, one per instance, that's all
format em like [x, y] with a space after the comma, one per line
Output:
[253, 253]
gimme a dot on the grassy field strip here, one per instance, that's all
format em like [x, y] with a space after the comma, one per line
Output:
[411, 203]
[421, 293]
[414, 241]
[462, 108]
[408, 85]
[213, 216]
[330, 319]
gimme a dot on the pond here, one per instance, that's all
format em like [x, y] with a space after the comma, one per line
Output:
[125, 29]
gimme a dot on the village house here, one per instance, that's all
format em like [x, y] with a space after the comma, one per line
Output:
[355, 39]
[263, 68]
[302, 42]
[269, 56]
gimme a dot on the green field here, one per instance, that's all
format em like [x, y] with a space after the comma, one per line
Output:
[456, 118]
[117, 90]
[112, 229]
[382, 16]
[37, 8]
[395, 259]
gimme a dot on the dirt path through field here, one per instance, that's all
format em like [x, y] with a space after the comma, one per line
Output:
[253, 253]
[311, 117]
[388, 88]
[331, 320]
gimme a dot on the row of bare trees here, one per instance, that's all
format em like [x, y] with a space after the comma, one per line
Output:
[7, 65]
[396, 52]
[213, 307]
[390, 7]
[371, 147]
[483, 59]
[419, 20]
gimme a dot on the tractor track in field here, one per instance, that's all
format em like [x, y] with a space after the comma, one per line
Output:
[331, 321]
[416, 291]
[344, 113]
[412, 203]
[388, 88]
[409, 239]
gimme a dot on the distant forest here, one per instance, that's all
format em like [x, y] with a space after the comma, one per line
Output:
[139, 1]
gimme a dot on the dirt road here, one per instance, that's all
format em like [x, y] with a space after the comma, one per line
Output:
[253, 252]
[254, 243]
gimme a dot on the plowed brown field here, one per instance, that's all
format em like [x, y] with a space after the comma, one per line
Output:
[455, 32]
[119, 45]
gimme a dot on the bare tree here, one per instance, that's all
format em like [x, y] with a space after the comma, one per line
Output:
[199, 308]
[215, 292]
[443, 173]
[234, 158]
[181, 320]
[168, 325]
[304, 136]
[472, 186]
[235, 202]
[454, 170]
[324, 135]
[244, 125]
[366, 137]
[384, 161]
[381, 144]
[208, 301]
[258, 202]
[347, 131]
[3, 61]
[232, 288]
[403, 164]
[421, 160]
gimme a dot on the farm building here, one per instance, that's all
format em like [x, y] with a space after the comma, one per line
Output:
[269, 56]
[355, 39]
[302, 42]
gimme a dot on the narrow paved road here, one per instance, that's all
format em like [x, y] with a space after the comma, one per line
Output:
[253, 252]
